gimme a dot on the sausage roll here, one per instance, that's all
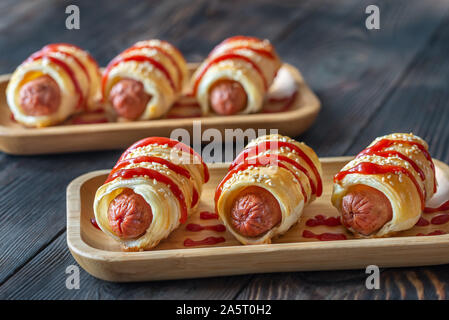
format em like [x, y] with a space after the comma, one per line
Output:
[236, 76]
[155, 185]
[143, 81]
[384, 189]
[267, 187]
[52, 84]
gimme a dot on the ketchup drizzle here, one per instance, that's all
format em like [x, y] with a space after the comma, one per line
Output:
[382, 144]
[433, 233]
[422, 222]
[207, 241]
[137, 58]
[41, 54]
[94, 223]
[372, 168]
[324, 236]
[170, 143]
[258, 163]
[440, 219]
[443, 207]
[227, 57]
[321, 220]
[163, 52]
[275, 145]
[153, 174]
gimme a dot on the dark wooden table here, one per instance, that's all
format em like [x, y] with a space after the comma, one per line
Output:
[370, 82]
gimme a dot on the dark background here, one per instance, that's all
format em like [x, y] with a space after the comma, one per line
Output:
[370, 82]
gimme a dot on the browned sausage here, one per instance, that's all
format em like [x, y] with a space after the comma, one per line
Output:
[129, 215]
[366, 209]
[40, 96]
[227, 97]
[129, 98]
[255, 211]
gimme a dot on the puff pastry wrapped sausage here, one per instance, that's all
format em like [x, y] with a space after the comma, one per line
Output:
[384, 189]
[52, 84]
[144, 81]
[236, 76]
[267, 187]
[155, 185]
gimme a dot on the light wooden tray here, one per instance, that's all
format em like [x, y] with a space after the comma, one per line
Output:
[16, 139]
[101, 256]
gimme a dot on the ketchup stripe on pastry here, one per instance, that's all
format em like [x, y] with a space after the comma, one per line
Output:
[384, 189]
[153, 188]
[52, 84]
[246, 65]
[266, 188]
[148, 78]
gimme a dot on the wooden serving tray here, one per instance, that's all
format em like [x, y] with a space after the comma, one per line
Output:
[17, 139]
[102, 257]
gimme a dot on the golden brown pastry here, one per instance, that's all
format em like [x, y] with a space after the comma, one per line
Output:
[155, 185]
[53, 84]
[144, 81]
[236, 76]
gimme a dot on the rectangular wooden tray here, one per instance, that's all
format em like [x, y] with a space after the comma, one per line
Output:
[16, 139]
[102, 257]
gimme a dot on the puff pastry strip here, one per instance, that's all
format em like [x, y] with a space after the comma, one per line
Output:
[250, 61]
[167, 174]
[158, 65]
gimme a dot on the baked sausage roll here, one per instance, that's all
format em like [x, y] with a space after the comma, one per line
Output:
[267, 187]
[143, 81]
[52, 84]
[384, 189]
[236, 76]
[155, 185]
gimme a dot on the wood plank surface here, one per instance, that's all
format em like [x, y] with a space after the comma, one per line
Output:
[370, 83]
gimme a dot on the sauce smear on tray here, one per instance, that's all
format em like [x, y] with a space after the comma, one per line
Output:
[207, 241]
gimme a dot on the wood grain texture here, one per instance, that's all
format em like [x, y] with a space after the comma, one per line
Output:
[354, 71]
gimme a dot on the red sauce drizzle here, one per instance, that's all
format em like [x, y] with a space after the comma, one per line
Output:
[120, 59]
[197, 227]
[274, 145]
[261, 161]
[227, 57]
[443, 207]
[207, 241]
[440, 219]
[320, 220]
[324, 236]
[206, 215]
[177, 169]
[434, 233]
[422, 222]
[51, 48]
[286, 107]
[382, 144]
[165, 53]
[67, 69]
[94, 223]
[56, 45]
[153, 174]
[171, 144]
[80, 120]
[372, 168]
